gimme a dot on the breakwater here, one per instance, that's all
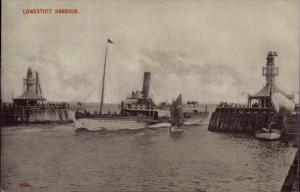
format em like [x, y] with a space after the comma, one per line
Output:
[242, 119]
[59, 113]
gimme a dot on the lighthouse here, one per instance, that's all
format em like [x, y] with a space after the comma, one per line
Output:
[270, 71]
[29, 82]
[32, 91]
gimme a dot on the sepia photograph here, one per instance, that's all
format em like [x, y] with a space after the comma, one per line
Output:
[150, 96]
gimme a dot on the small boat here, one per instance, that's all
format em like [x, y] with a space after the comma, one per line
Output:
[192, 112]
[177, 118]
[268, 134]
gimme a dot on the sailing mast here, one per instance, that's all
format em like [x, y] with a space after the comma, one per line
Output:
[103, 78]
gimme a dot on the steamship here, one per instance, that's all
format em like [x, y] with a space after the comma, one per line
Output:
[137, 111]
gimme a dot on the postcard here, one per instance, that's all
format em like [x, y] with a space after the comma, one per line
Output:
[146, 95]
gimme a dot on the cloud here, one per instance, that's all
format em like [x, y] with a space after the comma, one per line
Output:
[202, 78]
[207, 50]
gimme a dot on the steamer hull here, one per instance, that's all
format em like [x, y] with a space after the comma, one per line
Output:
[113, 124]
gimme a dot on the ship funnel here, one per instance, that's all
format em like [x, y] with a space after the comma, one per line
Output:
[146, 85]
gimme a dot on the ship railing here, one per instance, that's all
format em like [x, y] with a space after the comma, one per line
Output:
[41, 107]
[141, 109]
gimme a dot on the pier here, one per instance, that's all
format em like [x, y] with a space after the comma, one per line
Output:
[259, 109]
[239, 119]
[47, 113]
[31, 106]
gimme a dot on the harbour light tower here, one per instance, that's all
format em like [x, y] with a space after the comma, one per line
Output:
[29, 82]
[32, 91]
[270, 71]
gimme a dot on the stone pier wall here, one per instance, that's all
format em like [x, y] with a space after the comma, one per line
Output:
[46, 114]
[240, 119]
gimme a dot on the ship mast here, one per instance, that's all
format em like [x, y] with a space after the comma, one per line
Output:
[103, 78]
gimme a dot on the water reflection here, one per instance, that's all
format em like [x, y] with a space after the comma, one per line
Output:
[176, 136]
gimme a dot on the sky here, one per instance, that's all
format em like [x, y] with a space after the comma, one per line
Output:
[209, 51]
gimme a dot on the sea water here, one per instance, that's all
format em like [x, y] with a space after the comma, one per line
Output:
[54, 158]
